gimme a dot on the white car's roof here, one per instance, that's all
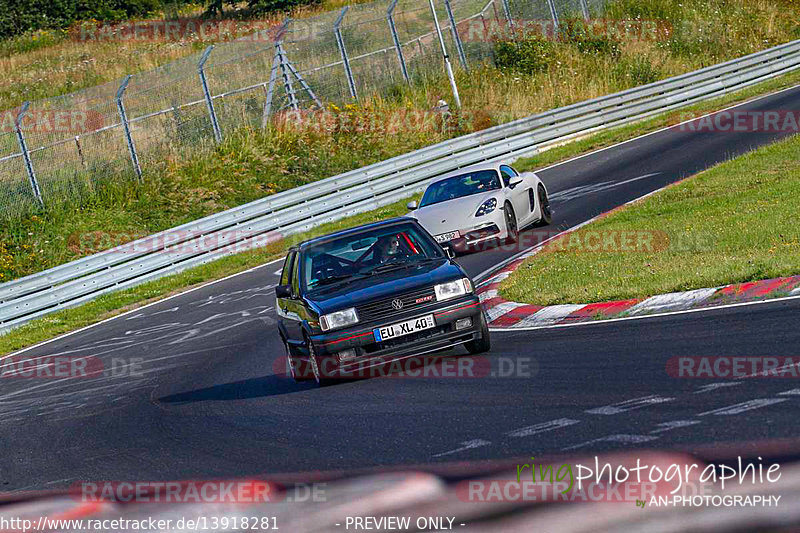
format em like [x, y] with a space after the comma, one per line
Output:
[466, 170]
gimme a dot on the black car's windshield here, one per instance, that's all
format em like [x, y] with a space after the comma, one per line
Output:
[366, 253]
[459, 186]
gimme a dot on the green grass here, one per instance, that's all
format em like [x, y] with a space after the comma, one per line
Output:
[736, 222]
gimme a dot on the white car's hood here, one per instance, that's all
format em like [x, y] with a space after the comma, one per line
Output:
[456, 214]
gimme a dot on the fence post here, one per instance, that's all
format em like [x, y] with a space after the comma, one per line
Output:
[209, 101]
[273, 74]
[554, 16]
[287, 80]
[343, 52]
[507, 12]
[396, 39]
[585, 9]
[37, 193]
[447, 64]
[123, 116]
[459, 47]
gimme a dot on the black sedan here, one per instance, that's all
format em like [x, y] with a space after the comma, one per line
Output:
[366, 296]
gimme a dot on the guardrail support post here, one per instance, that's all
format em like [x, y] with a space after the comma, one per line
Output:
[447, 64]
[585, 9]
[343, 52]
[273, 75]
[554, 16]
[123, 116]
[37, 193]
[209, 101]
[459, 47]
[396, 39]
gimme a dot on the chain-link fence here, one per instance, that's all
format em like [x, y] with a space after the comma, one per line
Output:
[56, 150]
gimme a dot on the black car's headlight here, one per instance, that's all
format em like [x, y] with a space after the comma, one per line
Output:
[452, 289]
[338, 319]
[486, 207]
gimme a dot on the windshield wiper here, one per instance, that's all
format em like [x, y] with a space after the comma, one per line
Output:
[388, 267]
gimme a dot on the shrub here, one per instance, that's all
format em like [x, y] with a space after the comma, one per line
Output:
[21, 16]
[639, 70]
[527, 56]
[577, 32]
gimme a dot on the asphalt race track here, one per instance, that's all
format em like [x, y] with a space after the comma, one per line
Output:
[194, 387]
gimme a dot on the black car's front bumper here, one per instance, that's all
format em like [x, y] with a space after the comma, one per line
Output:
[348, 352]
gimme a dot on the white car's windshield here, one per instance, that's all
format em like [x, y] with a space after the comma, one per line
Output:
[460, 186]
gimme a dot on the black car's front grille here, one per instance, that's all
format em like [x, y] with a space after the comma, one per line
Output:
[384, 308]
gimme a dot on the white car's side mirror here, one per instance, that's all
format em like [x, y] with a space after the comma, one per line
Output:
[412, 205]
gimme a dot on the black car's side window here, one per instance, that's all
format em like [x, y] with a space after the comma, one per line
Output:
[287, 268]
[294, 278]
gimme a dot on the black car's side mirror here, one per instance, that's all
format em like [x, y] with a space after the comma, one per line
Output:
[283, 291]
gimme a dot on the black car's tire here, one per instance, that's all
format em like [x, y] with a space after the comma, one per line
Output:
[544, 207]
[291, 361]
[482, 344]
[314, 361]
[511, 224]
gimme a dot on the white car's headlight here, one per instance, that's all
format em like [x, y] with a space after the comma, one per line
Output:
[452, 289]
[486, 207]
[338, 319]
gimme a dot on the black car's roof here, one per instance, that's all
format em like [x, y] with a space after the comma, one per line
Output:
[350, 231]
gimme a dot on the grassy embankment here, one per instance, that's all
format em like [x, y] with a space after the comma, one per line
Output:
[733, 223]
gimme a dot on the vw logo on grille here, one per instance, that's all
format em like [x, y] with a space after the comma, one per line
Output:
[397, 304]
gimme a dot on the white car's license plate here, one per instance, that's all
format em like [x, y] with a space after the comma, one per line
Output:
[449, 236]
[403, 328]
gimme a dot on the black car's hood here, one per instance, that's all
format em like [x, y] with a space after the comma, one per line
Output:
[370, 288]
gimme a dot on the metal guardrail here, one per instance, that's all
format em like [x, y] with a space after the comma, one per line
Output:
[366, 188]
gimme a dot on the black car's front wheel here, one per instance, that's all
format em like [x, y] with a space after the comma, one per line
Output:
[314, 361]
[483, 343]
[292, 361]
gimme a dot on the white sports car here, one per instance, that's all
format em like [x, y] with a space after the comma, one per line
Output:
[485, 202]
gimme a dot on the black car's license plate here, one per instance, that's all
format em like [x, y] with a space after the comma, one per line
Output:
[404, 328]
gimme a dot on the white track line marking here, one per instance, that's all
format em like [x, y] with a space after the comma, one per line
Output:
[675, 424]
[550, 314]
[542, 428]
[714, 386]
[749, 405]
[654, 315]
[622, 439]
[672, 302]
[790, 392]
[467, 445]
[628, 405]
[138, 309]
